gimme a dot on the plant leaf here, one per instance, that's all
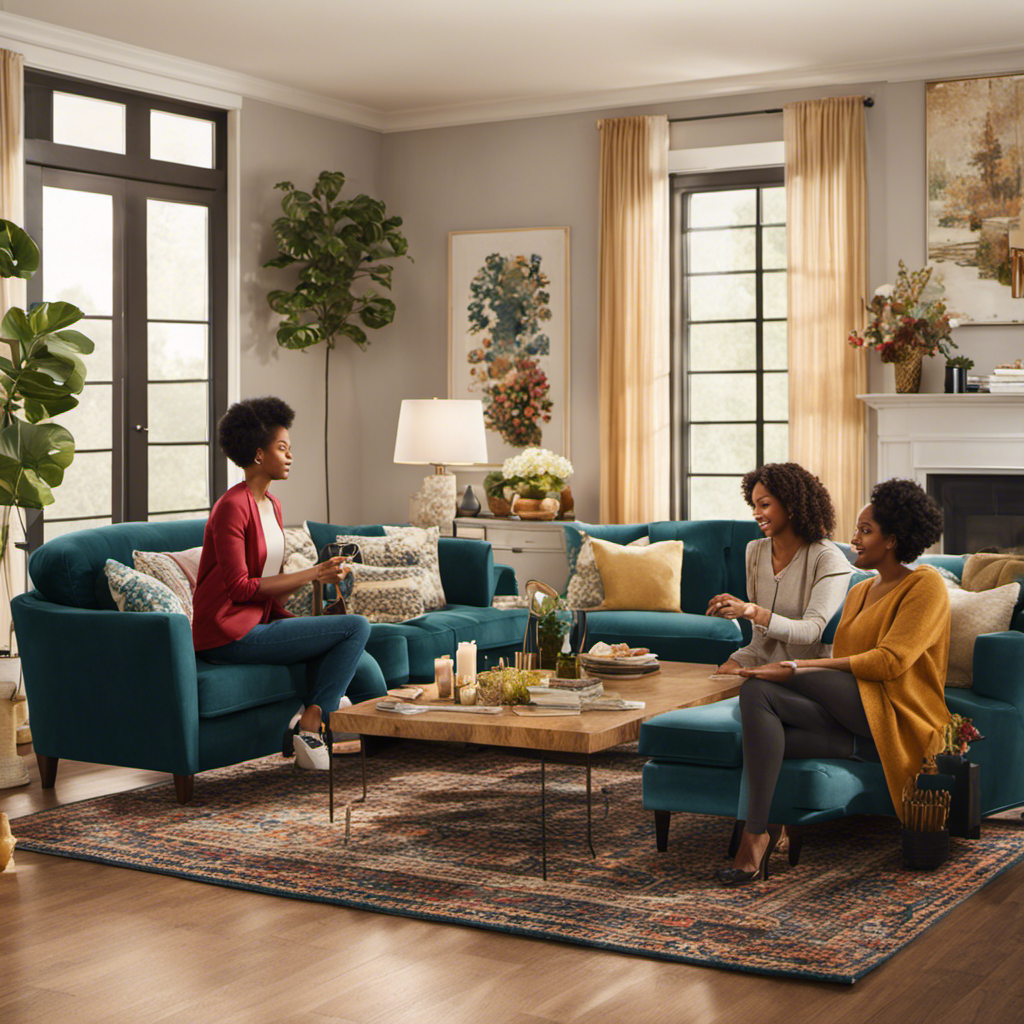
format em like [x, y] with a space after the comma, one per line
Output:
[19, 255]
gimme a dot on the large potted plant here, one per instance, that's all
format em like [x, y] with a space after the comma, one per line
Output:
[341, 247]
[39, 380]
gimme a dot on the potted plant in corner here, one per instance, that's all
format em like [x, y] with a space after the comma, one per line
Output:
[39, 379]
[908, 321]
[338, 247]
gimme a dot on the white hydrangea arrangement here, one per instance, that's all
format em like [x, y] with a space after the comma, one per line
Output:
[536, 473]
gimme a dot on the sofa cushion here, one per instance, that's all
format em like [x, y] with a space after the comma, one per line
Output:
[387, 593]
[388, 646]
[640, 578]
[426, 540]
[162, 566]
[135, 591]
[225, 689]
[972, 614]
[673, 636]
[615, 533]
[68, 570]
[467, 571]
[585, 589]
[324, 533]
[489, 627]
[705, 563]
[710, 734]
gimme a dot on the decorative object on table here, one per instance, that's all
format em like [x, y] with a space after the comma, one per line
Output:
[956, 374]
[506, 686]
[619, 661]
[494, 488]
[468, 694]
[567, 666]
[341, 249]
[544, 628]
[444, 676]
[13, 769]
[50, 375]
[925, 835]
[508, 303]
[972, 127]
[1007, 379]
[438, 432]
[566, 504]
[465, 664]
[536, 475]
[908, 321]
[7, 842]
[470, 503]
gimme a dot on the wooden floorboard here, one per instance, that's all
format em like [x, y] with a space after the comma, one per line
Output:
[83, 943]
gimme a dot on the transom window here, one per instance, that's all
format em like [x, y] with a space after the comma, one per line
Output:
[730, 385]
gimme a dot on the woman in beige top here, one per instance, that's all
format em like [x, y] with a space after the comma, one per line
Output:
[796, 578]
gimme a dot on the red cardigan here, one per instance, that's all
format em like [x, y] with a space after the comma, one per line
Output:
[224, 604]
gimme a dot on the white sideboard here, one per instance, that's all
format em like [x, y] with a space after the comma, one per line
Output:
[535, 550]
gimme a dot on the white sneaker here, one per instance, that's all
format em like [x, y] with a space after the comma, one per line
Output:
[311, 752]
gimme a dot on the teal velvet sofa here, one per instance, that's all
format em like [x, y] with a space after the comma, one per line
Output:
[696, 754]
[127, 689]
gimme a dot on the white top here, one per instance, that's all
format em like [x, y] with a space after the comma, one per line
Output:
[802, 598]
[273, 536]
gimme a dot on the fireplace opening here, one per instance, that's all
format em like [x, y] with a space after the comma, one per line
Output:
[979, 512]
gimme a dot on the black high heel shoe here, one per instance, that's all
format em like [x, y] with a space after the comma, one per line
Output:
[733, 876]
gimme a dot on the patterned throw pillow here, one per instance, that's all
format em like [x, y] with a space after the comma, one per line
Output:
[386, 552]
[301, 601]
[162, 566]
[297, 539]
[972, 614]
[387, 593]
[427, 539]
[585, 589]
[135, 591]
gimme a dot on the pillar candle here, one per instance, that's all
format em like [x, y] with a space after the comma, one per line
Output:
[443, 675]
[465, 660]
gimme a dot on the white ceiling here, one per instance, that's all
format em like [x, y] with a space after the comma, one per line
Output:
[407, 62]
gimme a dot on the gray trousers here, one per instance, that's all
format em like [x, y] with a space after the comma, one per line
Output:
[818, 713]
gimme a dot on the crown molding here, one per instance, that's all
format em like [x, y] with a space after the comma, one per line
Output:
[83, 55]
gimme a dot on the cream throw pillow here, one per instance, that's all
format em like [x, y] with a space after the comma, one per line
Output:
[986, 571]
[640, 578]
[970, 615]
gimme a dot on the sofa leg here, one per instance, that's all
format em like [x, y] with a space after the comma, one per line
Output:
[796, 841]
[661, 820]
[183, 787]
[737, 835]
[47, 770]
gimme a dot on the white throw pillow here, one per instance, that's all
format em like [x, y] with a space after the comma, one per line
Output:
[135, 591]
[585, 589]
[426, 540]
[988, 611]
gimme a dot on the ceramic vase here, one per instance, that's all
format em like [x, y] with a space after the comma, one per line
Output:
[535, 508]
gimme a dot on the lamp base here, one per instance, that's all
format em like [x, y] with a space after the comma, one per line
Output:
[434, 503]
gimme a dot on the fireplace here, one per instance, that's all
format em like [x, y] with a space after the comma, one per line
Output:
[980, 512]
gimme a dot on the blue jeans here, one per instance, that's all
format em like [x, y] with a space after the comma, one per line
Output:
[330, 645]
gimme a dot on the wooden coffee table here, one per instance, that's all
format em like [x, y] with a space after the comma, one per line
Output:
[677, 685]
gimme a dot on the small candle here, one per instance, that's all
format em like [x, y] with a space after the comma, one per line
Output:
[465, 660]
[443, 675]
[467, 695]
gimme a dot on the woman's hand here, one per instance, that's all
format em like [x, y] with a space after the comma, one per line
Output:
[729, 668]
[334, 570]
[726, 606]
[774, 672]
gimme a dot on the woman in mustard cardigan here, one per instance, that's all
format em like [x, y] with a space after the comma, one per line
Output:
[884, 682]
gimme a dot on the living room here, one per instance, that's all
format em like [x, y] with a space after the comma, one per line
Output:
[449, 155]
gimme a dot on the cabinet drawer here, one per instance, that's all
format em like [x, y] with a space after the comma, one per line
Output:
[472, 532]
[526, 540]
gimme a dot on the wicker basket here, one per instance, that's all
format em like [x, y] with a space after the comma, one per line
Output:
[908, 372]
[13, 769]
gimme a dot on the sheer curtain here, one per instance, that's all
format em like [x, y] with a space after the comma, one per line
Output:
[826, 200]
[12, 290]
[634, 337]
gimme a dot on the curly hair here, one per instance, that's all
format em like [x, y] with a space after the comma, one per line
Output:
[803, 495]
[249, 425]
[904, 511]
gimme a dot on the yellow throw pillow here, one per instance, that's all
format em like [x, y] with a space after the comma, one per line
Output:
[988, 571]
[644, 579]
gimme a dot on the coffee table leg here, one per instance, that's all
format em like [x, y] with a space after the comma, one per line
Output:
[589, 835]
[543, 827]
[329, 740]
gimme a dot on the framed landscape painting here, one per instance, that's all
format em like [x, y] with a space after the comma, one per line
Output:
[508, 334]
[975, 130]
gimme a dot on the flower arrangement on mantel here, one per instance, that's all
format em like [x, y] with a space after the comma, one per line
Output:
[536, 473]
[908, 321]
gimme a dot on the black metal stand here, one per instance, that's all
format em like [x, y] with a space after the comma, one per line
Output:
[965, 802]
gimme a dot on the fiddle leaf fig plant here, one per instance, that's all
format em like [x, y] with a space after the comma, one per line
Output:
[341, 248]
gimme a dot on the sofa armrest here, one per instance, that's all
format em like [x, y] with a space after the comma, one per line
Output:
[505, 581]
[110, 687]
[467, 571]
[999, 667]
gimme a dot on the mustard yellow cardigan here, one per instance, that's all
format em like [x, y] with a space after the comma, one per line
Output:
[898, 649]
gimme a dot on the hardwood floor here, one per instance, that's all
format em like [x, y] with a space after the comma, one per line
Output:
[83, 943]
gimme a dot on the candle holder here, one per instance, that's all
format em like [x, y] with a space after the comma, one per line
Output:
[444, 675]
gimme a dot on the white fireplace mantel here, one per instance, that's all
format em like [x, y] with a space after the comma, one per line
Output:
[922, 434]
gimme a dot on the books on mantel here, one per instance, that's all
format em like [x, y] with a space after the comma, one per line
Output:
[1006, 380]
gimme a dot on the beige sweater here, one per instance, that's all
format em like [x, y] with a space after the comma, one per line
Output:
[802, 600]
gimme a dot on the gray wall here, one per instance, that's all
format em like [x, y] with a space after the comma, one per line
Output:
[283, 145]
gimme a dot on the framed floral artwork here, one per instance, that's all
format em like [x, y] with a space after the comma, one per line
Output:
[975, 128]
[508, 334]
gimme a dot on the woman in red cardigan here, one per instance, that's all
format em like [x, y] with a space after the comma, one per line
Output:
[238, 617]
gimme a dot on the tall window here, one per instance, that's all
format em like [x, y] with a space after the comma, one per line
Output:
[125, 194]
[730, 387]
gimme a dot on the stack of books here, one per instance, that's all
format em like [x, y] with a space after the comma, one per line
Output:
[1006, 381]
[585, 687]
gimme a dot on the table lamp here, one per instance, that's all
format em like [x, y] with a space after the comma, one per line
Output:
[439, 432]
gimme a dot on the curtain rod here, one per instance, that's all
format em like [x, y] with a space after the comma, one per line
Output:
[869, 101]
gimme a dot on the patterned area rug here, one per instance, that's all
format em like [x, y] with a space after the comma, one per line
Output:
[452, 834]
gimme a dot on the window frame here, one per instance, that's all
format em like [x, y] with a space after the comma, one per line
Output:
[137, 177]
[682, 186]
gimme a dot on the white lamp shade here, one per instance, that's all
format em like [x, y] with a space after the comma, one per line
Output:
[441, 432]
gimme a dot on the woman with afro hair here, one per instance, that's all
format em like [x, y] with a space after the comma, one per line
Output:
[796, 577]
[880, 694]
[238, 617]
